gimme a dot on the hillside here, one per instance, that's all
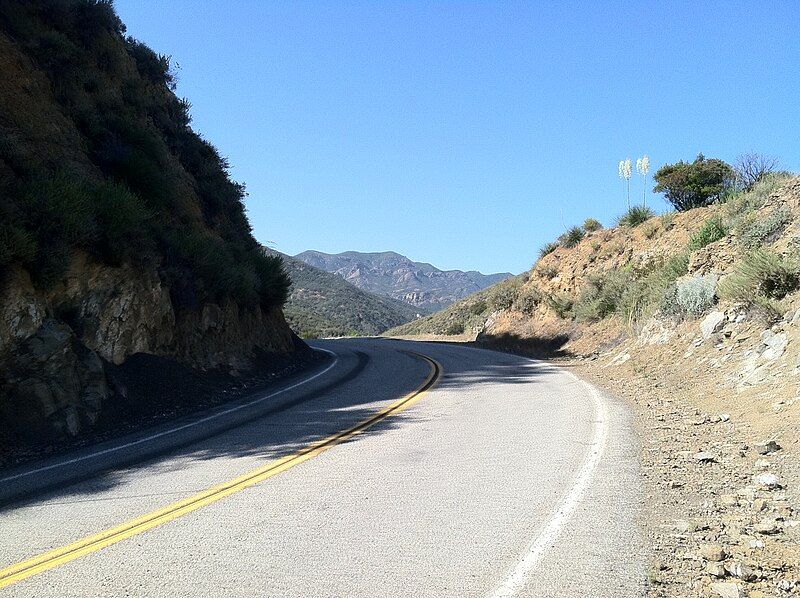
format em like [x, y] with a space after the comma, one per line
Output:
[388, 273]
[694, 319]
[321, 304]
[121, 231]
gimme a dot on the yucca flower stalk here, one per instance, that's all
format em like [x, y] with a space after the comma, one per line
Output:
[643, 167]
[625, 172]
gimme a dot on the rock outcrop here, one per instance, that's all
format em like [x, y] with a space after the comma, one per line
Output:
[54, 345]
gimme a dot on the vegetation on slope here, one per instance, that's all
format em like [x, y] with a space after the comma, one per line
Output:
[657, 268]
[469, 315]
[118, 171]
[393, 275]
[322, 304]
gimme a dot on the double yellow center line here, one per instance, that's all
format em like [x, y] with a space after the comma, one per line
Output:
[70, 552]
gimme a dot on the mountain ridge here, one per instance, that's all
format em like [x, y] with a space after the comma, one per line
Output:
[392, 274]
[322, 304]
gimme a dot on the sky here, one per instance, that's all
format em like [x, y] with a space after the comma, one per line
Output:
[469, 134]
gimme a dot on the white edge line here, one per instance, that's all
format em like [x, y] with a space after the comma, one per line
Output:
[179, 428]
[547, 537]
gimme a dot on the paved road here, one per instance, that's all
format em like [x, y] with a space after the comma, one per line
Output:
[510, 477]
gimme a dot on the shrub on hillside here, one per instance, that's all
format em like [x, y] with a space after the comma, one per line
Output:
[549, 271]
[696, 295]
[125, 224]
[591, 225]
[572, 237]
[646, 294]
[561, 304]
[712, 230]
[696, 184]
[754, 230]
[528, 300]
[478, 307]
[454, 328]
[760, 279]
[635, 216]
[503, 295]
[547, 249]
[601, 295]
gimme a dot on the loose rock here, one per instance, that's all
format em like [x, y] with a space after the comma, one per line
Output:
[767, 480]
[713, 552]
[728, 589]
[768, 447]
[712, 324]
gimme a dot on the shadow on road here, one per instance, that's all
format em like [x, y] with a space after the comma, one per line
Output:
[371, 374]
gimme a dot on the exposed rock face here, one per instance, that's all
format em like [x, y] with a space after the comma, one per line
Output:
[53, 383]
[53, 345]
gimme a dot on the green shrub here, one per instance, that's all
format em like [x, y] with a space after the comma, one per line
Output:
[454, 328]
[668, 220]
[478, 307]
[16, 245]
[547, 249]
[572, 237]
[650, 229]
[761, 278]
[695, 184]
[696, 295]
[272, 280]
[528, 300]
[635, 216]
[591, 225]
[753, 231]
[502, 296]
[561, 304]
[61, 207]
[742, 203]
[647, 295]
[124, 222]
[548, 272]
[601, 296]
[712, 230]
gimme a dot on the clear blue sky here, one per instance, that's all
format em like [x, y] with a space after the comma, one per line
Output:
[467, 134]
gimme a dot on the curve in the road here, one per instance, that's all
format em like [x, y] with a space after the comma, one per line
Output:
[70, 552]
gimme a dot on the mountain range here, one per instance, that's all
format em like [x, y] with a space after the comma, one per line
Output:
[322, 304]
[394, 275]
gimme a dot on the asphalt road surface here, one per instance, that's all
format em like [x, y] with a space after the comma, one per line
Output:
[509, 477]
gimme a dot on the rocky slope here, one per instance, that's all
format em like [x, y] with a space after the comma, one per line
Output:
[388, 273]
[120, 230]
[695, 318]
[321, 304]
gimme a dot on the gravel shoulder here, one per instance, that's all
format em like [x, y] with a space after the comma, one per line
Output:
[721, 492]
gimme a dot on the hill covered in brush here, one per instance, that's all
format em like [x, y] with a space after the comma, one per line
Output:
[605, 284]
[322, 304]
[121, 231]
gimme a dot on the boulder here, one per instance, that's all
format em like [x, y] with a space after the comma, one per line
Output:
[712, 324]
[728, 589]
[776, 344]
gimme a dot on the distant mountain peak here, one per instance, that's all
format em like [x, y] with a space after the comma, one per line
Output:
[394, 275]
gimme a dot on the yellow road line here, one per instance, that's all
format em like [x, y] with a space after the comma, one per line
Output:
[70, 552]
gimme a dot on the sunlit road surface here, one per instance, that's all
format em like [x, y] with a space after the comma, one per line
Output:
[507, 477]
